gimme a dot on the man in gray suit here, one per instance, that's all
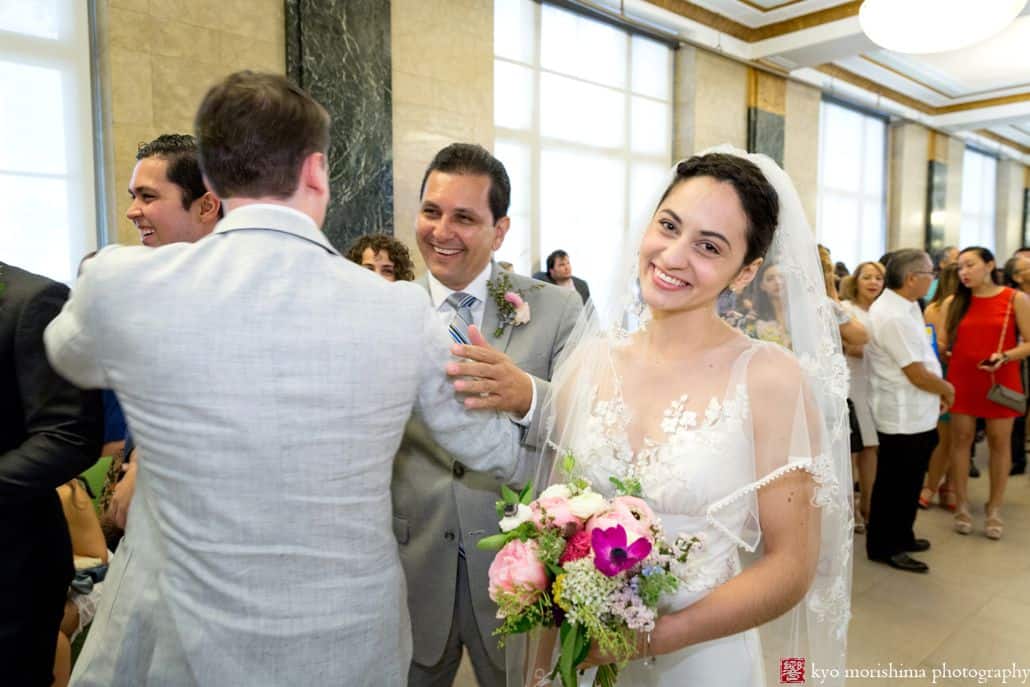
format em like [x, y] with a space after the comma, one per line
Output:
[442, 506]
[268, 381]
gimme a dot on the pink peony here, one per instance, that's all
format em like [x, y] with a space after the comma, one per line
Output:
[638, 508]
[517, 572]
[631, 513]
[577, 547]
[554, 511]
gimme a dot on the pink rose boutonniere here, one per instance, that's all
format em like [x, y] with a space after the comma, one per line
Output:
[512, 307]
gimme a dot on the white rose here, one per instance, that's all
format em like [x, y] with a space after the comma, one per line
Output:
[522, 314]
[559, 490]
[587, 504]
[510, 522]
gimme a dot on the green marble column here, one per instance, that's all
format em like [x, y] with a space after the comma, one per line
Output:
[339, 51]
[767, 100]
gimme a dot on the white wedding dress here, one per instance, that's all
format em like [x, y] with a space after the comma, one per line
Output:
[704, 459]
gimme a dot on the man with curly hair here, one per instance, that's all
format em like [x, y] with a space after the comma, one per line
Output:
[384, 255]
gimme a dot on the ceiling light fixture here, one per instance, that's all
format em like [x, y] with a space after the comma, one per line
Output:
[928, 26]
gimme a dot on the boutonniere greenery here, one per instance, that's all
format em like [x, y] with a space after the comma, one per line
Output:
[512, 307]
[3, 285]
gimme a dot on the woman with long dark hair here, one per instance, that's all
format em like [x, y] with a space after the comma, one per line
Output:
[982, 323]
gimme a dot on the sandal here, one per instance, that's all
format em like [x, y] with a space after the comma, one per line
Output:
[993, 525]
[946, 498]
[925, 497]
[859, 522]
[963, 523]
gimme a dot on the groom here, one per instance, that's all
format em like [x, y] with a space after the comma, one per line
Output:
[268, 381]
[442, 506]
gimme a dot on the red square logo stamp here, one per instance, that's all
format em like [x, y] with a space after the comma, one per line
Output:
[792, 671]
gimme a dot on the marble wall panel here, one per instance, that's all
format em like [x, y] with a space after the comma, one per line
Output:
[936, 205]
[906, 185]
[765, 133]
[801, 143]
[721, 102]
[1008, 209]
[156, 59]
[953, 212]
[443, 91]
[339, 51]
[684, 95]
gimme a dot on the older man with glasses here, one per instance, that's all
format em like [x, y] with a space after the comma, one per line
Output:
[908, 393]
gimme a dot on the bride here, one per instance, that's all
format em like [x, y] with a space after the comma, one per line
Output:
[739, 441]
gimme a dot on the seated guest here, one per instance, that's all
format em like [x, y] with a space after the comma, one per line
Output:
[559, 272]
[88, 551]
[50, 431]
[384, 255]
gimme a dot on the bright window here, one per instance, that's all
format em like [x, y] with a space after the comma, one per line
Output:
[46, 153]
[583, 118]
[979, 175]
[851, 213]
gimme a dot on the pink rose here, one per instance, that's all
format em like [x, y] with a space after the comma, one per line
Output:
[577, 547]
[554, 511]
[517, 572]
[514, 299]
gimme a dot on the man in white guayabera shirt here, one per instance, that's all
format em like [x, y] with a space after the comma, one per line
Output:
[267, 381]
[908, 396]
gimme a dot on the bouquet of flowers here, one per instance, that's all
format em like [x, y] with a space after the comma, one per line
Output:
[591, 566]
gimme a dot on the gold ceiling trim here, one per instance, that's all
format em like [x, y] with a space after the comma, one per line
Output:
[907, 77]
[724, 24]
[986, 102]
[763, 9]
[1004, 141]
[897, 96]
[874, 87]
[943, 94]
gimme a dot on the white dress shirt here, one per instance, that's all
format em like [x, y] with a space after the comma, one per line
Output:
[438, 294]
[900, 339]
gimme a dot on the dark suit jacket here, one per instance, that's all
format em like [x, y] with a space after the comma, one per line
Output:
[50, 431]
[581, 286]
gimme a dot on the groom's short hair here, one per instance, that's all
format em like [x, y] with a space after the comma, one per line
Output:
[469, 158]
[254, 130]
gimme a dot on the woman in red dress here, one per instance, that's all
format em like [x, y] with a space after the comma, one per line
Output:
[982, 323]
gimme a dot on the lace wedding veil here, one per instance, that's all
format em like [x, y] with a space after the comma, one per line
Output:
[816, 628]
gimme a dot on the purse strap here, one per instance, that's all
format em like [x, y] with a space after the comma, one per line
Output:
[1004, 328]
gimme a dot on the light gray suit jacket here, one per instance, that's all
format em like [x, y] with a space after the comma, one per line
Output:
[267, 382]
[438, 498]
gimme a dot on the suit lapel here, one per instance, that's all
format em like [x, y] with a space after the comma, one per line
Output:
[491, 318]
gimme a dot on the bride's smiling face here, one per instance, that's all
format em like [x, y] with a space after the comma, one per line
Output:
[694, 246]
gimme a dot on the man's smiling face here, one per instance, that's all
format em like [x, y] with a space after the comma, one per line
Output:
[455, 230]
[157, 209]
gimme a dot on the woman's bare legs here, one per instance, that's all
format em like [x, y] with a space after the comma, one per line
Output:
[963, 429]
[940, 459]
[865, 461]
[999, 440]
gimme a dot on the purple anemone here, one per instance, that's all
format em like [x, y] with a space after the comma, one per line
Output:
[612, 555]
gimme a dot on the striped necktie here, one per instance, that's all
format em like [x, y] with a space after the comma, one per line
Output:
[459, 325]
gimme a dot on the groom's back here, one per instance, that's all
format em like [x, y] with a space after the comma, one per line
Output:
[267, 382]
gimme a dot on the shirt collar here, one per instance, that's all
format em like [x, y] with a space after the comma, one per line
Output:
[274, 217]
[477, 287]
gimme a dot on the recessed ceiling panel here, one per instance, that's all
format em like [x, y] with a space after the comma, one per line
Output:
[755, 13]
